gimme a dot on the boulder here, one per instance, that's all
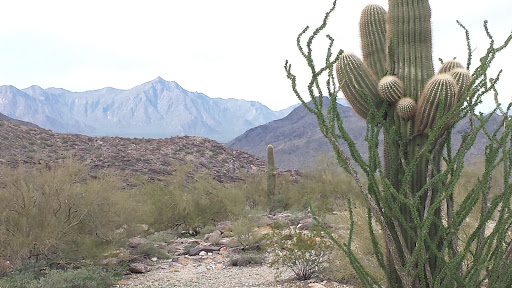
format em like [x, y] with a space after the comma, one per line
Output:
[5, 267]
[213, 238]
[138, 268]
[224, 226]
[136, 242]
[305, 224]
[198, 249]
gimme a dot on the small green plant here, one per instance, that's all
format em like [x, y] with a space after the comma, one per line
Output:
[86, 277]
[302, 253]
[245, 233]
[279, 225]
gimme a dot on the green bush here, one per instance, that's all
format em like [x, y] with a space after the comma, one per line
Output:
[57, 213]
[245, 233]
[87, 277]
[302, 253]
[188, 202]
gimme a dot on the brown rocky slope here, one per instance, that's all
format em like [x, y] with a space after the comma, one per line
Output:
[154, 158]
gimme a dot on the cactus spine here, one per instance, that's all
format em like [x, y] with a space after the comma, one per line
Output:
[271, 172]
[403, 64]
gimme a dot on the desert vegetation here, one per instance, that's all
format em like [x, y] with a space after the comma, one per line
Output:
[413, 173]
[61, 225]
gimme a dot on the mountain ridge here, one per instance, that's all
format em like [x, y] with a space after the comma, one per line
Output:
[154, 159]
[155, 109]
[297, 140]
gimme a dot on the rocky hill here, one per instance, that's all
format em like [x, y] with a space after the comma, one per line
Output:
[156, 109]
[154, 158]
[297, 140]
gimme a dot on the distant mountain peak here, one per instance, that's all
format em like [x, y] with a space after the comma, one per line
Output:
[155, 109]
[34, 88]
[158, 80]
[161, 83]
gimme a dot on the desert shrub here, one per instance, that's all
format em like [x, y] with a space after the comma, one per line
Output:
[254, 190]
[279, 225]
[86, 277]
[324, 186]
[188, 202]
[55, 214]
[245, 233]
[338, 266]
[165, 236]
[22, 276]
[208, 229]
[302, 253]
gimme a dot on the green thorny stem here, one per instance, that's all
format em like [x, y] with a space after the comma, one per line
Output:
[394, 88]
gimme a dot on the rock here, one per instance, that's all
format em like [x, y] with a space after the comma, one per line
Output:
[121, 230]
[224, 226]
[198, 249]
[224, 242]
[143, 227]
[108, 262]
[202, 253]
[213, 238]
[154, 259]
[264, 230]
[138, 268]
[136, 241]
[5, 267]
[185, 261]
[305, 224]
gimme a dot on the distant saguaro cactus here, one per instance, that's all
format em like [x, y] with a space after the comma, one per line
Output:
[394, 88]
[271, 172]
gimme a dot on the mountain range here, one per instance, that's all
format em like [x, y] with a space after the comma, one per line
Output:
[156, 109]
[297, 140]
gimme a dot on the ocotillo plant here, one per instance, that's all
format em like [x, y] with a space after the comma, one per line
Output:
[271, 172]
[394, 88]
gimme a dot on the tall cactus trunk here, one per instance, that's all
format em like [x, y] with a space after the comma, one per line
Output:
[271, 173]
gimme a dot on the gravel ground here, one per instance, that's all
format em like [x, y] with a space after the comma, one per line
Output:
[209, 272]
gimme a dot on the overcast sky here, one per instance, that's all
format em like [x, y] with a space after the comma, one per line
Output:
[222, 48]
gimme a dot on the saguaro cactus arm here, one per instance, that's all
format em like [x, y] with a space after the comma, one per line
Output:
[372, 27]
[358, 84]
[410, 38]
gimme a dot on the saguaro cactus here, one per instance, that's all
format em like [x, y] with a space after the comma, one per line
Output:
[394, 88]
[271, 172]
[409, 79]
